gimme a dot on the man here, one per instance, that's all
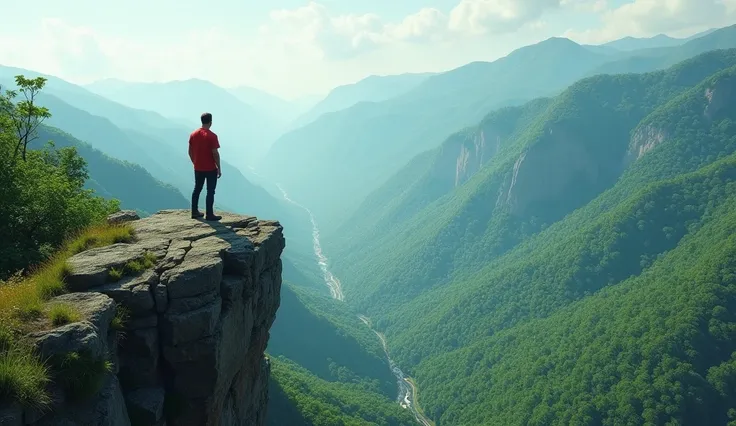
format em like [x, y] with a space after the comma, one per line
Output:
[203, 146]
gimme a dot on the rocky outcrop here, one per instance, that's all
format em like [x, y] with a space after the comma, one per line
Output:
[198, 306]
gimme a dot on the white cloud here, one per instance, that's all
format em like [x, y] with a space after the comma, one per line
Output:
[644, 18]
[498, 16]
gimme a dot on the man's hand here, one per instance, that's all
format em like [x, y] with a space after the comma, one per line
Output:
[219, 173]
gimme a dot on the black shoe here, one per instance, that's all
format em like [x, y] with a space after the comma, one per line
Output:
[213, 218]
[197, 215]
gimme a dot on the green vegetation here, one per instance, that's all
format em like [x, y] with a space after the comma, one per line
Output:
[134, 267]
[348, 351]
[43, 193]
[297, 398]
[80, 374]
[48, 217]
[61, 313]
[502, 204]
[581, 274]
[23, 377]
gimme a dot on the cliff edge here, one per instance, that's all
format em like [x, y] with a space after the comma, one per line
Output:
[180, 317]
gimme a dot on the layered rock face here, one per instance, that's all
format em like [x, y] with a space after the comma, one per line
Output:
[198, 319]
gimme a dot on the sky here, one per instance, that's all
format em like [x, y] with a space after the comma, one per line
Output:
[296, 48]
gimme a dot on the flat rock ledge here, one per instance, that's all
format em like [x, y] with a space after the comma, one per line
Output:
[195, 325]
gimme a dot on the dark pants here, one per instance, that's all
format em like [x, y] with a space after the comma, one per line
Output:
[199, 179]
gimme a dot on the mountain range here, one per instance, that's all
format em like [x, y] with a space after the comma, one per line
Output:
[547, 238]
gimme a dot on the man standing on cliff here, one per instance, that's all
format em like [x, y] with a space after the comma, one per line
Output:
[203, 146]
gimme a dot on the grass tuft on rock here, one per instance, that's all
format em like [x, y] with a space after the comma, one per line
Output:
[62, 313]
[23, 309]
[23, 377]
[80, 374]
[134, 267]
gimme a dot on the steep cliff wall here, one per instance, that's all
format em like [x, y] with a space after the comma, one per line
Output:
[199, 299]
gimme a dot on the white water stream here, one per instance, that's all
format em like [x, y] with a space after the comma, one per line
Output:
[406, 390]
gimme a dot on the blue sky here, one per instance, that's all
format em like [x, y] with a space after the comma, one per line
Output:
[294, 48]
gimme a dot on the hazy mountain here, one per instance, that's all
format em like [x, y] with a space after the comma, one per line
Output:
[332, 164]
[243, 129]
[370, 89]
[563, 245]
[660, 40]
[280, 111]
[111, 178]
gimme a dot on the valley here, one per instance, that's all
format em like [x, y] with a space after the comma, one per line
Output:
[544, 238]
[406, 389]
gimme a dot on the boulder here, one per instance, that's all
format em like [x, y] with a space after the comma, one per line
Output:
[122, 216]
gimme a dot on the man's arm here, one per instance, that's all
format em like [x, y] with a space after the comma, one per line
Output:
[191, 151]
[216, 156]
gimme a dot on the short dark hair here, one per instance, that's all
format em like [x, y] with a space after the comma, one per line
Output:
[206, 118]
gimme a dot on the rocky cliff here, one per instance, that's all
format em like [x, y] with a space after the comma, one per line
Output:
[180, 318]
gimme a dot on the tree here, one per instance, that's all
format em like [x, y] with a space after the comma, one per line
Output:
[43, 196]
[25, 116]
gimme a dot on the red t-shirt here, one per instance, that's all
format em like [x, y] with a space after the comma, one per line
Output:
[201, 143]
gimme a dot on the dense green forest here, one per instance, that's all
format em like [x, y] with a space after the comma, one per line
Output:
[300, 398]
[581, 273]
[44, 199]
[325, 337]
[573, 150]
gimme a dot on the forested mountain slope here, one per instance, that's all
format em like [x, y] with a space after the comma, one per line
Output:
[568, 154]
[111, 178]
[328, 367]
[334, 163]
[655, 348]
[356, 149]
[299, 398]
[583, 275]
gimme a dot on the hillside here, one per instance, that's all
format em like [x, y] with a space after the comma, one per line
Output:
[358, 149]
[370, 89]
[130, 183]
[247, 130]
[325, 337]
[532, 177]
[593, 249]
[299, 398]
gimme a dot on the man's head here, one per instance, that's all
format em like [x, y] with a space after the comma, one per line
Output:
[206, 120]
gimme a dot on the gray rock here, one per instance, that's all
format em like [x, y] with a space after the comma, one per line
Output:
[97, 308]
[161, 297]
[188, 304]
[200, 272]
[107, 408]
[174, 254]
[91, 268]
[88, 336]
[232, 288]
[146, 406]
[189, 326]
[122, 216]
[11, 415]
[173, 225]
[133, 292]
[76, 337]
[142, 322]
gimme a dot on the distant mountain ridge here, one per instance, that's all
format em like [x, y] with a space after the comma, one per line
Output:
[370, 89]
[247, 130]
[357, 149]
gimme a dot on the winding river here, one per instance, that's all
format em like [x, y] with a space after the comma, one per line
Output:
[406, 389]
